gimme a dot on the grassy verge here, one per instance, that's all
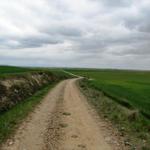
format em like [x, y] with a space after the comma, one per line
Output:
[133, 126]
[11, 118]
[128, 88]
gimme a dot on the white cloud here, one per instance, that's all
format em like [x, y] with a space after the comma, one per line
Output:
[88, 33]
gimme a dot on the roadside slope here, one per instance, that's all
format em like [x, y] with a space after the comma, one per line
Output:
[31, 133]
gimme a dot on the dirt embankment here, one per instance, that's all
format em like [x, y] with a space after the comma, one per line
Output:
[15, 89]
[63, 121]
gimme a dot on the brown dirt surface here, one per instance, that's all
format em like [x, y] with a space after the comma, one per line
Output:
[63, 121]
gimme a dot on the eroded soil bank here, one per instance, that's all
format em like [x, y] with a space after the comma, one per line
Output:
[17, 88]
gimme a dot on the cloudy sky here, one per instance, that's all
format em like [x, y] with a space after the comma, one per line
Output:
[75, 33]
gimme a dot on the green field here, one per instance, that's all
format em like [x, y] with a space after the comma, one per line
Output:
[129, 88]
[11, 70]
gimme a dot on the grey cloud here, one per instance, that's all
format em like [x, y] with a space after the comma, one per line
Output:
[52, 36]
[37, 42]
[139, 21]
[70, 33]
[137, 50]
[59, 30]
[67, 31]
[117, 3]
[97, 43]
[28, 42]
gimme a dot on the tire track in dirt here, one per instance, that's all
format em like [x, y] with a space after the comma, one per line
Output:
[53, 134]
[82, 131]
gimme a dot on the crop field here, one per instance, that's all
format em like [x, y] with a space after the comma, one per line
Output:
[11, 70]
[8, 71]
[129, 88]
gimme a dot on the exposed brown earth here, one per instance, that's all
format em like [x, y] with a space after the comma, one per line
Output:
[15, 89]
[63, 121]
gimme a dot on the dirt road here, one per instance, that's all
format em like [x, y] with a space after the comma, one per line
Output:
[63, 121]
